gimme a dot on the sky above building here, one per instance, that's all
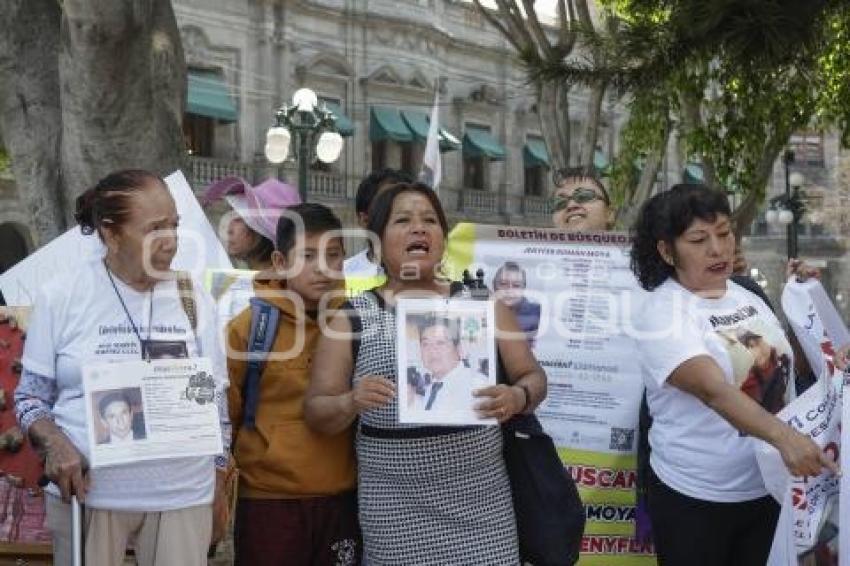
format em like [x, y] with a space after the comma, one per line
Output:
[544, 7]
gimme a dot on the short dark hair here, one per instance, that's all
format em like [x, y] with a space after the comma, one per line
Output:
[452, 327]
[317, 218]
[379, 215]
[108, 202]
[112, 397]
[262, 250]
[509, 266]
[665, 217]
[368, 187]
[559, 176]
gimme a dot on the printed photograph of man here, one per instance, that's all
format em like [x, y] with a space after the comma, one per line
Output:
[509, 285]
[767, 379]
[119, 421]
[446, 381]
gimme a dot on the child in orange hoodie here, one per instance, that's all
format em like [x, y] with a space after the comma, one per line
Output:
[297, 502]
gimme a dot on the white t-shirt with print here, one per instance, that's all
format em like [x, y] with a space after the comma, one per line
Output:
[77, 319]
[695, 451]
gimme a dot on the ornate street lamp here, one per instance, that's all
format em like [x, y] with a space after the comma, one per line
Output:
[788, 209]
[311, 125]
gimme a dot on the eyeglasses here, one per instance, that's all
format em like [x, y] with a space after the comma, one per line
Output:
[580, 195]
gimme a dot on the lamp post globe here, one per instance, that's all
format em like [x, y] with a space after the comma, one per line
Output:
[313, 128]
[305, 99]
[277, 144]
[329, 147]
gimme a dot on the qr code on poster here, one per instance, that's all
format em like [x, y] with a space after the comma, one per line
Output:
[622, 439]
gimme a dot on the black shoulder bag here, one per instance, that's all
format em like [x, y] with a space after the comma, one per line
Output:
[549, 513]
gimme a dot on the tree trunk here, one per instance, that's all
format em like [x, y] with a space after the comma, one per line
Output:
[591, 127]
[123, 83]
[29, 108]
[120, 70]
[746, 212]
[628, 214]
[554, 112]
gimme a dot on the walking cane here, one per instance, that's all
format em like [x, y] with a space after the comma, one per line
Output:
[77, 531]
[77, 538]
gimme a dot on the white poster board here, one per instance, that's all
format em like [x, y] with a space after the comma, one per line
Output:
[138, 411]
[446, 351]
[573, 295]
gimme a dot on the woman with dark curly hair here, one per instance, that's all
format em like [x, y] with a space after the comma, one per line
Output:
[707, 500]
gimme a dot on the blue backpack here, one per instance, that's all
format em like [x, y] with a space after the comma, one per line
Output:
[264, 323]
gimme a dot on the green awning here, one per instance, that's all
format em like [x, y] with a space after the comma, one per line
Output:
[209, 96]
[535, 154]
[342, 122]
[693, 173]
[419, 124]
[385, 123]
[478, 142]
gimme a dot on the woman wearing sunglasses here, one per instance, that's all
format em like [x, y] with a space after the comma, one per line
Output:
[580, 202]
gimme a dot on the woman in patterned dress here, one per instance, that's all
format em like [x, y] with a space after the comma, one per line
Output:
[427, 495]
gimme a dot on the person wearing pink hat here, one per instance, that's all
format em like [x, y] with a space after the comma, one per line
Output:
[251, 231]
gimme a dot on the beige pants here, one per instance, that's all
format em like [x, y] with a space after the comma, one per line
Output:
[175, 537]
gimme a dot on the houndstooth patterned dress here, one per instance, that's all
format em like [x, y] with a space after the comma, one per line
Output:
[442, 499]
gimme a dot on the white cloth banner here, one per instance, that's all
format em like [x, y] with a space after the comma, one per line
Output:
[799, 307]
[199, 249]
[844, 487]
[819, 412]
[805, 501]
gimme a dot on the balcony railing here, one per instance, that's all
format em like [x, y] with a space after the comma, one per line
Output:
[333, 187]
[327, 185]
[535, 206]
[202, 171]
[472, 200]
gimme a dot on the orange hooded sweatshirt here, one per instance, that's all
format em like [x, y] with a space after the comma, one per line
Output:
[282, 458]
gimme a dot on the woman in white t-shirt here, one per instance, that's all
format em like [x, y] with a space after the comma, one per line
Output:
[124, 306]
[707, 500]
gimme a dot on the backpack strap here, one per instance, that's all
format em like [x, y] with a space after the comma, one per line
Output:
[264, 323]
[186, 290]
[187, 298]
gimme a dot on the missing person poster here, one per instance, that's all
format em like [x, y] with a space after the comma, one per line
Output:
[138, 411]
[447, 352]
[572, 295]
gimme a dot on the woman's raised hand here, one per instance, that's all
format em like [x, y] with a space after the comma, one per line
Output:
[802, 456]
[372, 391]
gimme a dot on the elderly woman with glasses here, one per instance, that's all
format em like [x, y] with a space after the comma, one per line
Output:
[580, 202]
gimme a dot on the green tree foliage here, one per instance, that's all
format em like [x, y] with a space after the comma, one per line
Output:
[738, 76]
[735, 77]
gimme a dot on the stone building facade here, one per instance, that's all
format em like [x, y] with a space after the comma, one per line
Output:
[378, 56]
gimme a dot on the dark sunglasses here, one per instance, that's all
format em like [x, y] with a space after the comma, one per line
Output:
[580, 195]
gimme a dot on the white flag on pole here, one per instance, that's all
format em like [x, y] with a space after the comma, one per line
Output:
[431, 165]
